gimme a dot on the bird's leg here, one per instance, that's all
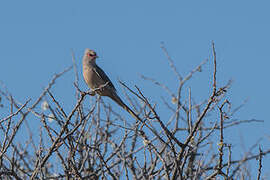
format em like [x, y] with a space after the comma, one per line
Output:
[102, 87]
[91, 92]
[95, 91]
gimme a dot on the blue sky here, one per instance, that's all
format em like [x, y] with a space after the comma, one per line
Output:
[36, 38]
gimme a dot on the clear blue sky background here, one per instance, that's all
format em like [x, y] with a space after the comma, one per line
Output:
[36, 38]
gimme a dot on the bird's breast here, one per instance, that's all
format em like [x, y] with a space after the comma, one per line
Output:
[91, 78]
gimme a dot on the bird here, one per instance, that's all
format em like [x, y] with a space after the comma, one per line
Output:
[99, 82]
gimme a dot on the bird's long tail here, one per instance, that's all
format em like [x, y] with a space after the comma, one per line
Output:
[119, 101]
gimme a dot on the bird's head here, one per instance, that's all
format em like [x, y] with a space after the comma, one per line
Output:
[90, 54]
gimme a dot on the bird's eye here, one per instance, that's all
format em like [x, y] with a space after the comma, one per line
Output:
[91, 54]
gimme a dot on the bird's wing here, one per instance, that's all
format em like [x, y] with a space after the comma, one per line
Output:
[103, 76]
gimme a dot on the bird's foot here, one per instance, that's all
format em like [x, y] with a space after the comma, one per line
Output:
[91, 93]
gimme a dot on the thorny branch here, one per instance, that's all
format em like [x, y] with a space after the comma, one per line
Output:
[97, 140]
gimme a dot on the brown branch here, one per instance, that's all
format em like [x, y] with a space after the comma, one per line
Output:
[260, 164]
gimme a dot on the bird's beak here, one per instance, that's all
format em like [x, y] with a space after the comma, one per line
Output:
[97, 57]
